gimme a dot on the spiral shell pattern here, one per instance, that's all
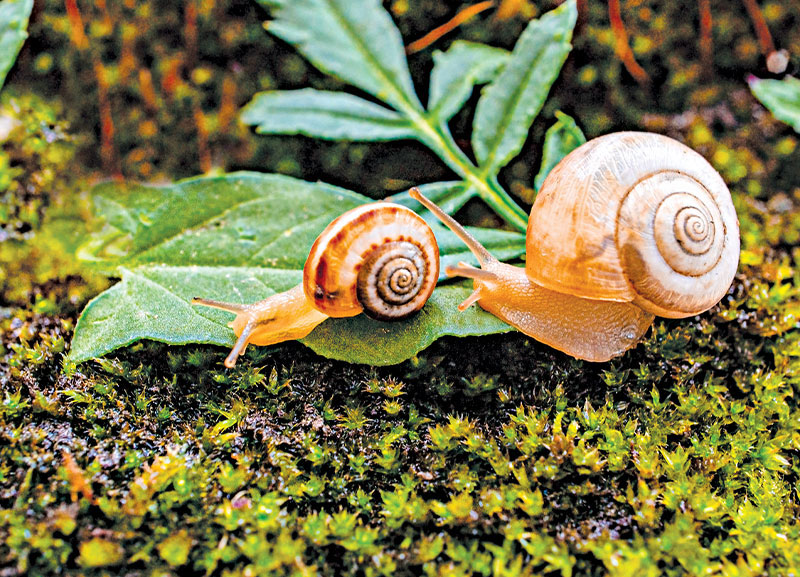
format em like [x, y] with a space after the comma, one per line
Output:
[379, 258]
[671, 237]
[641, 218]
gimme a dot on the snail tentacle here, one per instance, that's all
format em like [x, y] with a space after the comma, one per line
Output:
[474, 297]
[484, 256]
[230, 307]
[468, 271]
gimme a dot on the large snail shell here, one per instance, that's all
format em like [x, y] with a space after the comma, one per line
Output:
[380, 258]
[635, 217]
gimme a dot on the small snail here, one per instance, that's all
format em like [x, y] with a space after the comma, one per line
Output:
[379, 258]
[627, 226]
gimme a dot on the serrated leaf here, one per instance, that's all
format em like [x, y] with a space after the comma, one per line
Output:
[509, 104]
[456, 72]
[354, 40]
[14, 16]
[327, 115]
[780, 97]
[559, 140]
[241, 238]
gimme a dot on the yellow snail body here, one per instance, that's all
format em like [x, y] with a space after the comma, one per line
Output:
[380, 258]
[627, 226]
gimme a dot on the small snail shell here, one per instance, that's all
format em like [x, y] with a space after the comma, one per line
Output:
[380, 258]
[627, 226]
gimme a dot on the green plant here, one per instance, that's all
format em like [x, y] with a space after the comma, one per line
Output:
[14, 16]
[358, 43]
[781, 97]
[158, 239]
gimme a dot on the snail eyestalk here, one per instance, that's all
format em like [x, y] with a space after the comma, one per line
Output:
[483, 255]
[282, 317]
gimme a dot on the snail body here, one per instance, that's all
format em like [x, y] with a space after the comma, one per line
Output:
[627, 226]
[381, 259]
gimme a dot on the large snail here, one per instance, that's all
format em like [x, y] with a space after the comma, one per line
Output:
[379, 258]
[627, 226]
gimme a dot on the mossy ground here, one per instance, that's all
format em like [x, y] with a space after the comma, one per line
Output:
[481, 456]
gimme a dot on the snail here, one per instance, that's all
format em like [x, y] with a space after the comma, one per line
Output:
[627, 226]
[379, 258]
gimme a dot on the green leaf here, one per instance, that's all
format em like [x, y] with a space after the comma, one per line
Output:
[354, 40]
[152, 302]
[241, 238]
[457, 71]
[510, 103]
[503, 244]
[328, 115]
[450, 196]
[14, 16]
[561, 139]
[241, 219]
[780, 97]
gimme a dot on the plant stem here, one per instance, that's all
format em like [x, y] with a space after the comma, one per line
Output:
[440, 141]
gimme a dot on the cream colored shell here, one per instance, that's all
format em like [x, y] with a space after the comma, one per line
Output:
[635, 217]
[381, 258]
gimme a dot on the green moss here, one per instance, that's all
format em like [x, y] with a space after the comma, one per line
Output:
[35, 150]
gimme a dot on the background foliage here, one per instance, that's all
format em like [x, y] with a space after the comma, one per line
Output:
[479, 456]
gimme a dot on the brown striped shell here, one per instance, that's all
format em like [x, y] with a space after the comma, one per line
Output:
[635, 217]
[380, 258]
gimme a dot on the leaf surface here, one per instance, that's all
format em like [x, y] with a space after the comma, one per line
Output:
[354, 40]
[509, 104]
[450, 196]
[241, 219]
[14, 16]
[324, 114]
[152, 302]
[457, 71]
[780, 97]
[241, 238]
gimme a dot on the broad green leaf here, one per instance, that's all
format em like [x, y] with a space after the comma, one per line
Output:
[241, 219]
[328, 115]
[14, 16]
[456, 72]
[509, 104]
[354, 40]
[781, 97]
[152, 302]
[388, 344]
[241, 238]
[561, 139]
